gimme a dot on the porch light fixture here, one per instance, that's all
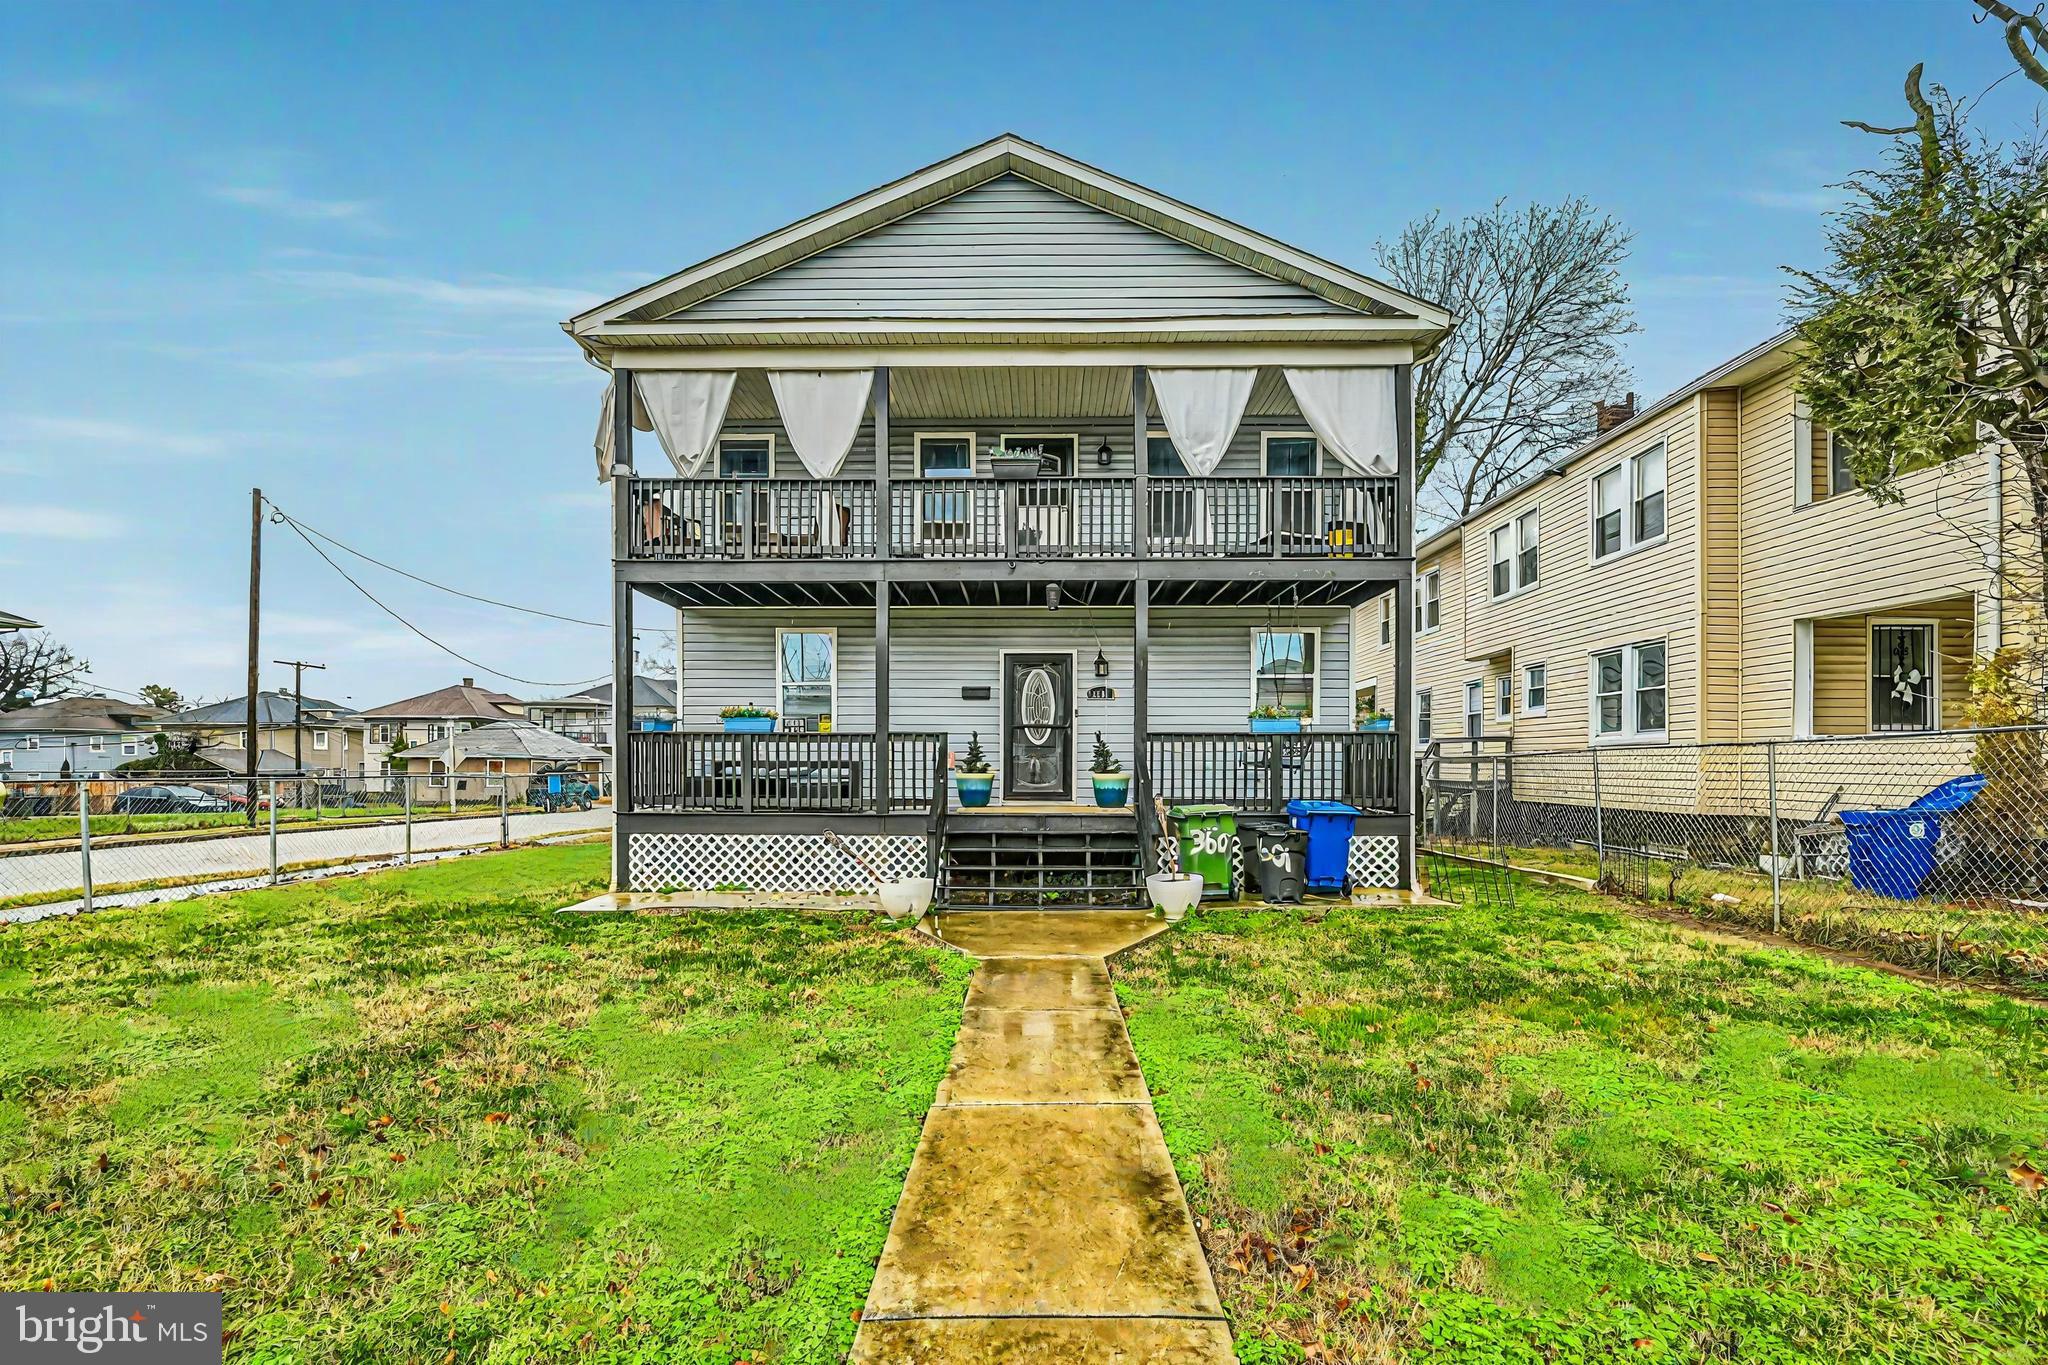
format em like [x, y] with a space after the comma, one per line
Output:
[1101, 663]
[1102, 452]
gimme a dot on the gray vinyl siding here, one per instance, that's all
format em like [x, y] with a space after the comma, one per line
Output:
[1201, 666]
[1242, 460]
[1012, 248]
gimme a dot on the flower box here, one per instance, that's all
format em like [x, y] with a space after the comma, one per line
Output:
[1276, 725]
[749, 725]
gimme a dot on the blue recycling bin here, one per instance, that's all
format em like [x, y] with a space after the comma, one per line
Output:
[1329, 841]
[1891, 852]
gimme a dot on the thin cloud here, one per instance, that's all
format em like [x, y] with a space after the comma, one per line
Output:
[490, 293]
[85, 96]
[283, 203]
[102, 436]
[54, 522]
[1799, 201]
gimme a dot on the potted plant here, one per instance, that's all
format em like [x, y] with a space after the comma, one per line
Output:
[1112, 783]
[747, 718]
[1015, 464]
[972, 775]
[1274, 720]
[1375, 721]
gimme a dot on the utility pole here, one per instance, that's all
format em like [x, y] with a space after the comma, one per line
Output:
[298, 668]
[255, 632]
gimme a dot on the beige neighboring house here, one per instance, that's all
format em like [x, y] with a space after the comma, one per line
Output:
[1702, 571]
[433, 716]
[481, 757]
[326, 736]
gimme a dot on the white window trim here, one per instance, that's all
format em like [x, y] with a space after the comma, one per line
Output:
[1870, 628]
[1513, 527]
[1315, 675]
[918, 439]
[1266, 439]
[6, 758]
[1528, 707]
[1425, 705]
[1387, 621]
[1629, 545]
[830, 632]
[1504, 697]
[494, 765]
[718, 455]
[97, 744]
[32, 741]
[1466, 714]
[1421, 625]
[1628, 734]
[319, 739]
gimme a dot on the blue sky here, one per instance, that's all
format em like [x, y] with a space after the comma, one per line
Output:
[326, 249]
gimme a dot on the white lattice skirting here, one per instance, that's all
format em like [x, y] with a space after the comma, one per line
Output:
[765, 862]
[1374, 861]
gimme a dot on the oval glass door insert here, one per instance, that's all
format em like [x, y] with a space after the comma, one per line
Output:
[1037, 705]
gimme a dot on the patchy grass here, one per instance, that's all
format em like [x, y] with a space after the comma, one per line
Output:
[411, 1114]
[1562, 1133]
[50, 828]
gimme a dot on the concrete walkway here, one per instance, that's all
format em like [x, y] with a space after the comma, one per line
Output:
[1042, 1221]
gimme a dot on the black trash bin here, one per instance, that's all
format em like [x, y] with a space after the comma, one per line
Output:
[1276, 857]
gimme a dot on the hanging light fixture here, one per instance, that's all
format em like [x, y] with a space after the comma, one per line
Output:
[1102, 452]
[1101, 663]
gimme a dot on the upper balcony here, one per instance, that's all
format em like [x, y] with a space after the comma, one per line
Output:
[1265, 517]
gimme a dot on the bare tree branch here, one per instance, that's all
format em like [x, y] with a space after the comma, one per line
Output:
[35, 668]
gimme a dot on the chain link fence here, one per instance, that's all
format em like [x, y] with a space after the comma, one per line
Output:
[75, 844]
[1927, 849]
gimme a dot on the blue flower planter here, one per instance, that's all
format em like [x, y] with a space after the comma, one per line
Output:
[1383, 725]
[1112, 789]
[975, 788]
[1276, 725]
[749, 725]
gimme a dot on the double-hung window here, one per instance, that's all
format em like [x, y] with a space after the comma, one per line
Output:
[945, 516]
[1475, 709]
[807, 677]
[1630, 693]
[1504, 697]
[743, 457]
[1535, 689]
[1840, 479]
[1628, 503]
[319, 739]
[1284, 670]
[97, 744]
[1514, 554]
[1429, 602]
[1387, 620]
[1423, 712]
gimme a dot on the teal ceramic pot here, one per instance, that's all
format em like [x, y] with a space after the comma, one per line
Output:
[1111, 789]
[975, 788]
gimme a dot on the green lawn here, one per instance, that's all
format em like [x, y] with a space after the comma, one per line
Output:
[414, 1116]
[1561, 1133]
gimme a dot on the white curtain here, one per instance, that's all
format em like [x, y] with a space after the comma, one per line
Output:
[1352, 411]
[603, 443]
[822, 411]
[686, 408]
[1201, 409]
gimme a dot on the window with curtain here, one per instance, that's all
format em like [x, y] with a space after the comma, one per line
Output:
[1630, 692]
[1284, 670]
[807, 677]
[1525, 547]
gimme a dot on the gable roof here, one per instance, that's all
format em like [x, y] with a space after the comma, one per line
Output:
[1296, 281]
[464, 701]
[505, 739]
[658, 693]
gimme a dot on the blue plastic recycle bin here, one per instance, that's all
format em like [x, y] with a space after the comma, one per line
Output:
[1891, 852]
[1329, 841]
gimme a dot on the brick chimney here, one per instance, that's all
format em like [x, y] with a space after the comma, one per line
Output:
[471, 682]
[1608, 416]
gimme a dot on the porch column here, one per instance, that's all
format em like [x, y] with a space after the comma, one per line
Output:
[881, 696]
[622, 619]
[882, 513]
[1404, 619]
[1141, 702]
[1141, 486]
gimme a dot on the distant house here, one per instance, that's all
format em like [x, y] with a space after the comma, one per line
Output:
[75, 736]
[326, 736]
[586, 716]
[433, 716]
[500, 749]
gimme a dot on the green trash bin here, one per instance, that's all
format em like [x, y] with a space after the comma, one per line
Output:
[1208, 838]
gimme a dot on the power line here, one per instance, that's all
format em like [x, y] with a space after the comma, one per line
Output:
[445, 649]
[303, 528]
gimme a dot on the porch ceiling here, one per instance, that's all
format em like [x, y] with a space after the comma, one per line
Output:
[1038, 392]
[1023, 592]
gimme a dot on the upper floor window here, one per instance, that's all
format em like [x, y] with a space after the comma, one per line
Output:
[1174, 512]
[1628, 503]
[1424, 716]
[1840, 478]
[944, 454]
[1293, 454]
[1429, 602]
[97, 744]
[1284, 670]
[1387, 619]
[746, 457]
[1514, 554]
[319, 739]
[1630, 694]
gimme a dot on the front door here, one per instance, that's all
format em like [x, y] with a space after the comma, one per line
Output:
[1038, 727]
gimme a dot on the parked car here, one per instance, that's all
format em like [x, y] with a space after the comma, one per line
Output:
[169, 801]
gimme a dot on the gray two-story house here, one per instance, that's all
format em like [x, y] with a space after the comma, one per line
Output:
[1014, 449]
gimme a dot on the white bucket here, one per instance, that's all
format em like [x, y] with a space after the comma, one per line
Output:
[908, 897]
[1174, 892]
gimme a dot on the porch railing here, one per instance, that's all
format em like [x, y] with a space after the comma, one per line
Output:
[694, 770]
[1268, 771]
[981, 518]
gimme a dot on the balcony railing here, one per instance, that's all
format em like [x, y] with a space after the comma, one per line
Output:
[1268, 771]
[975, 518]
[694, 770]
